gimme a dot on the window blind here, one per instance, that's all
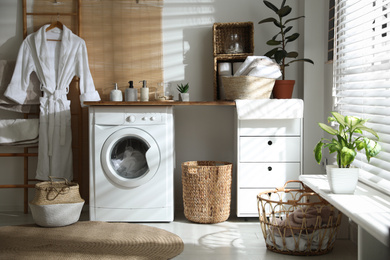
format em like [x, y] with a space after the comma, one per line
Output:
[361, 77]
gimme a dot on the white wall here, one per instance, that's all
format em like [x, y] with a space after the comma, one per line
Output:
[202, 133]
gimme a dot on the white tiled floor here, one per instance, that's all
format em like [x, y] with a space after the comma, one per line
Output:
[237, 238]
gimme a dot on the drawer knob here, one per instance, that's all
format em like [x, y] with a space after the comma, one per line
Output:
[269, 142]
[269, 168]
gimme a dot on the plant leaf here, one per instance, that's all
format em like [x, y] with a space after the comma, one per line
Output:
[288, 29]
[292, 37]
[328, 129]
[371, 131]
[280, 55]
[339, 118]
[318, 152]
[347, 156]
[273, 42]
[285, 10]
[271, 6]
[268, 20]
[292, 19]
[271, 52]
[306, 60]
[292, 54]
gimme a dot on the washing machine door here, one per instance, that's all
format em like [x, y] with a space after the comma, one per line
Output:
[130, 157]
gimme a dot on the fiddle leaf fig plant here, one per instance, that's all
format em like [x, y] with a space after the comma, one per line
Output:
[348, 139]
[283, 37]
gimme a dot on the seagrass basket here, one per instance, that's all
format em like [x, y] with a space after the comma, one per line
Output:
[56, 203]
[247, 87]
[297, 221]
[206, 190]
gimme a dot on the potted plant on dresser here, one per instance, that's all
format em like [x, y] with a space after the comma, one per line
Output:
[183, 92]
[283, 88]
[348, 139]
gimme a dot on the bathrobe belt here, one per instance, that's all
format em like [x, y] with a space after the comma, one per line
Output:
[54, 98]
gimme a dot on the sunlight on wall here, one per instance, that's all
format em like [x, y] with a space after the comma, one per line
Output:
[177, 17]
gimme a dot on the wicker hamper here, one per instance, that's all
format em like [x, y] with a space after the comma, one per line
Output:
[56, 203]
[297, 221]
[206, 190]
[247, 87]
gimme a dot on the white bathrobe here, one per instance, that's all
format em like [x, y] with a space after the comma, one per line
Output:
[55, 63]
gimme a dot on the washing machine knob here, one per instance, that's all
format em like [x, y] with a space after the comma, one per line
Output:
[153, 118]
[131, 119]
[144, 118]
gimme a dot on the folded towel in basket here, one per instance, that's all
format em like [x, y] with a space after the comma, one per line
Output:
[303, 220]
[18, 131]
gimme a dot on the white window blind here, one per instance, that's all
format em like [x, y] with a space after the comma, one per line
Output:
[361, 76]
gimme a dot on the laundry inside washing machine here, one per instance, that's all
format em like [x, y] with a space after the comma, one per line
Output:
[128, 157]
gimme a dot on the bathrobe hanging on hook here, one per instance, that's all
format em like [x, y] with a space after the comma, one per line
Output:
[55, 63]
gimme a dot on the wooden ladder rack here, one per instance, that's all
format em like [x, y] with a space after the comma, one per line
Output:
[26, 154]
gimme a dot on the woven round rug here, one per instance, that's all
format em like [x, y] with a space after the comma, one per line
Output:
[89, 240]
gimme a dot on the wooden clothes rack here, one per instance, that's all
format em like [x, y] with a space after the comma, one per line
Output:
[26, 154]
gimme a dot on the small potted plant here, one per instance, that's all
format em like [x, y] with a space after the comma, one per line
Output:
[283, 88]
[183, 92]
[347, 140]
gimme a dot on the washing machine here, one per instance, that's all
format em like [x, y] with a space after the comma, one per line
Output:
[131, 163]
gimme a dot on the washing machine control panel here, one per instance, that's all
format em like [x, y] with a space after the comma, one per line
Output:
[144, 118]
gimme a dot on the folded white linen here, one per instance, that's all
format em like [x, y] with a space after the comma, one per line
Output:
[15, 131]
[236, 66]
[33, 90]
[260, 63]
[224, 69]
[269, 109]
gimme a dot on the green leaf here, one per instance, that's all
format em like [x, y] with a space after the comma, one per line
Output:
[285, 10]
[339, 118]
[292, 54]
[287, 29]
[347, 156]
[292, 37]
[273, 42]
[271, 52]
[328, 129]
[318, 152]
[372, 148]
[280, 55]
[305, 60]
[271, 6]
[268, 20]
[371, 131]
[292, 19]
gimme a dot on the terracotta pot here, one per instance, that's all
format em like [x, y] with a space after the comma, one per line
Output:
[283, 89]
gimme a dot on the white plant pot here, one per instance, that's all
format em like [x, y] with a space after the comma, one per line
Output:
[342, 180]
[184, 97]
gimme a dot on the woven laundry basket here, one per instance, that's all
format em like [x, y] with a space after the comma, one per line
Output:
[247, 87]
[207, 190]
[297, 221]
[56, 203]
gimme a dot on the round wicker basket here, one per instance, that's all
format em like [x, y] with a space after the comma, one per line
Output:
[297, 221]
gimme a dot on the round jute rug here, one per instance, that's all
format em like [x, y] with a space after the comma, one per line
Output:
[89, 240]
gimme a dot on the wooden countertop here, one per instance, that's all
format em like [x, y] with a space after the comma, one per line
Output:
[160, 103]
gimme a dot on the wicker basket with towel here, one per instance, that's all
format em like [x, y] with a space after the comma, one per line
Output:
[297, 221]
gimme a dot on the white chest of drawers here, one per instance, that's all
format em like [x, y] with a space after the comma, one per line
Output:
[268, 148]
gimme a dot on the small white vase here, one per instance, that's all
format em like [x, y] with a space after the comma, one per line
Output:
[184, 97]
[342, 180]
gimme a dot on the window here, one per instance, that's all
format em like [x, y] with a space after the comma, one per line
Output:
[361, 76]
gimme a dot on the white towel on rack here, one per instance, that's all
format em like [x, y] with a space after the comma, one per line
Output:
[33, 90]
[18, 131]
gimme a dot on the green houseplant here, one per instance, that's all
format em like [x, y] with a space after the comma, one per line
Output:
[347, 139]
[280, 42]
[183, 92]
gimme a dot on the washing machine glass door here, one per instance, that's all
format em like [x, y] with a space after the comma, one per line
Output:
[130, 157]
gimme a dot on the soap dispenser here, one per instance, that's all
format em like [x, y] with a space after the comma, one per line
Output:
[144, 91]
[131, 93]
[116, 94]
